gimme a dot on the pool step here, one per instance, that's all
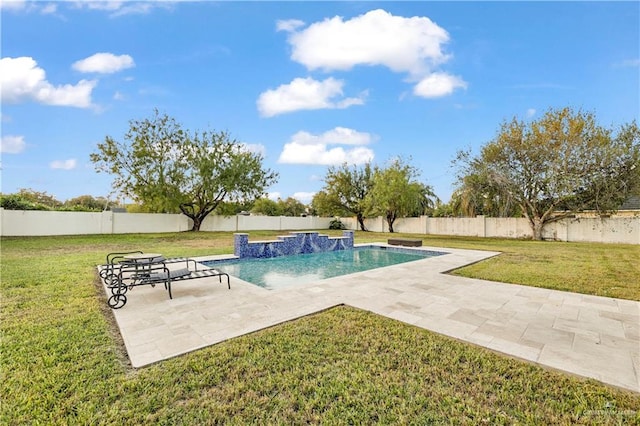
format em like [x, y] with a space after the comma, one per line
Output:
[408, 242]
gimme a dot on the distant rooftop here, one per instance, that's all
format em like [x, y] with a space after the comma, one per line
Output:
[632, 203]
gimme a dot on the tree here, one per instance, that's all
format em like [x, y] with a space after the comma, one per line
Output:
[28, 199]
[425, 200]
[321, 206]
[475, 195]
[396, 193]
[169, 169]
[16, 202]
[344, 192]
[40, 198]
[443, 209]
[86, 203]
[558, 165]
[292, 207]
[233, 208]
[288, 207]
[267, 207]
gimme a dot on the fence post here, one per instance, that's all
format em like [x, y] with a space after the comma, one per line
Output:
[482, 226]
[106, 222]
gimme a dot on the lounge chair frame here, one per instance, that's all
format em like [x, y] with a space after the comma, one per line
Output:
[122, 275]
[115, 261]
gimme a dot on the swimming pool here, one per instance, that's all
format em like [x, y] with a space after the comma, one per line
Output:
[284, 271]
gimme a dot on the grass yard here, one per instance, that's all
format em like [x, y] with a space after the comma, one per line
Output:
[610, 270]
[62, 361]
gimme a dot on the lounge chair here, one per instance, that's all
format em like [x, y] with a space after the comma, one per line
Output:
[115, 261]
[123, 276]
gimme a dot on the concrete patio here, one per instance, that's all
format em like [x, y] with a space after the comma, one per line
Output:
[589, 336]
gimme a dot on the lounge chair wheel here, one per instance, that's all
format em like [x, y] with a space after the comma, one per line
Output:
[110, 279]
[119, 288]
[117, 301]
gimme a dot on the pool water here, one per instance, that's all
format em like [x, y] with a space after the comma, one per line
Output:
[284, 271]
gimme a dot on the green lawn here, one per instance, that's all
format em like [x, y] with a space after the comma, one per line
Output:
[62, 361]
[610, 270]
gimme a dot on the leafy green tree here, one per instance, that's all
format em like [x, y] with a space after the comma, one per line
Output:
[137, 208]
[320, 205]
[396, 193]
[42, 198]
[267, 207]
[16, 202]
[233, 208]
[443, 209]
[425, 200]
[292, 207]
[168, 169]
[476, 195]
[86, 203]
[28, 199]
[345, 191]
[38, 197]
[560, 164]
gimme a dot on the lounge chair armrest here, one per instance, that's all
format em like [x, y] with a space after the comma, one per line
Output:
[111, 256]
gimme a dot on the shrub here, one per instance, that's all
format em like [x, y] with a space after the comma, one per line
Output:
[16, 202]
[336, 224]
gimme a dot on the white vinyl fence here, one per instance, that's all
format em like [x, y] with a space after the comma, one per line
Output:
[33, 222]
[624, 230]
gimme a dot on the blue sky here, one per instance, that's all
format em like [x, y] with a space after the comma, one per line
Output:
[308, 84]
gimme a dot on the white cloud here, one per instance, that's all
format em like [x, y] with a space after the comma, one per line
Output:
[339, 135]
[289, 25]
[118, 96]
[402, 44]
[305, 148]
[305, 94]
[104, 63]
[274, 195]
[531, 112]
[13, 4]
[21, 79]
[69, 164]
[29, 6]
[303, 197]
[295, 153]
[377, 38]
[119, 8]
[12, 144]
[114, 8]
[110, 5]
[438, 84]
[49, 9]
[255, 148]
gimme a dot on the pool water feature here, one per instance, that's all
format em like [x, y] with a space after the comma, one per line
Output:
[284, 271]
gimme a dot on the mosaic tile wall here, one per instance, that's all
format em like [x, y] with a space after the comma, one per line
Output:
[296, 243]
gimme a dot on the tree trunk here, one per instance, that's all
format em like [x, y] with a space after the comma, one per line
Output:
[537, 224]
[390, 220]
[197, 221]
[196, 215]
[361, 222]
